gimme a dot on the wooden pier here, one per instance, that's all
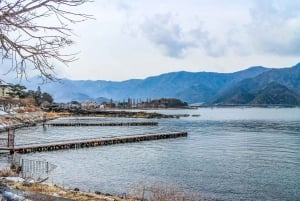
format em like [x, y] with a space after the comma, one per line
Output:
[151, 123]
[76, 144]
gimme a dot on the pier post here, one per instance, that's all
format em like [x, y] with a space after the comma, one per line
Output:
[11, 140]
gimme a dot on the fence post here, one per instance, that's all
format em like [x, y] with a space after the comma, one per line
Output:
[22, 168]
[47, 168]
[11, 138]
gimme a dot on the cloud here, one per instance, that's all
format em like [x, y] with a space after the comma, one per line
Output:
[210, 45]
[274, 28]
[162, 31]
[138, 38]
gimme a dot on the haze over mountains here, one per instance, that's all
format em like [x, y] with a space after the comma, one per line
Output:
[255, 85]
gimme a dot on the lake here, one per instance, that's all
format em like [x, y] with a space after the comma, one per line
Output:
[229, 154]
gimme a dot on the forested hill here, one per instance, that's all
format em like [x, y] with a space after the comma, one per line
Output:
[243, 87]
[275, 86]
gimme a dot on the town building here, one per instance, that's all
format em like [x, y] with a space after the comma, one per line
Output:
[5, 88]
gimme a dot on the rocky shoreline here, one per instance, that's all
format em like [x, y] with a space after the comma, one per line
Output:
[17, 189]
[27, 119]
[117, 113]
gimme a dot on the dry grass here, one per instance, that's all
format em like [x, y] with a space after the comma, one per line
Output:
[141, 193]
[30, 108]
[7, 172]
[53, 115]
[65, 193]
[41, 188]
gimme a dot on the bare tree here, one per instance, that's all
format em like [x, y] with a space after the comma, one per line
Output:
[29, 39]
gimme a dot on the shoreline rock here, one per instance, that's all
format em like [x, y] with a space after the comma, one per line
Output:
[119, 113]
[16, 188]
[26, 119]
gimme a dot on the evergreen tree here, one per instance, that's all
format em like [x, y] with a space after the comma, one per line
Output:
[18, 91]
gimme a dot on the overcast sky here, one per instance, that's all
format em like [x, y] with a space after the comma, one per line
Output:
[141, 38]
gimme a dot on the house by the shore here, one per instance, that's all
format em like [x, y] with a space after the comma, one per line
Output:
[5, 89]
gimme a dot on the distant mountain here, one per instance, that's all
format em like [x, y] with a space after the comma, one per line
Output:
[276, 86]
[275, 94]
[192, 87]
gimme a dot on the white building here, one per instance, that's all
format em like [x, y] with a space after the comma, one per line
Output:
[5, 88]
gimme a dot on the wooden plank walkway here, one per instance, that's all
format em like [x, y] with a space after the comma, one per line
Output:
[85, 143]
[151, 123]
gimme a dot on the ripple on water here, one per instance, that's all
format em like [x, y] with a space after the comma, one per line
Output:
[229, 155]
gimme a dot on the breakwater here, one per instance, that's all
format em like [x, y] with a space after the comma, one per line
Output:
[115, 113]
[103, 124]
[85, 143]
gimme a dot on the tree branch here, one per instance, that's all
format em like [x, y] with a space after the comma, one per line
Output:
[25, 39]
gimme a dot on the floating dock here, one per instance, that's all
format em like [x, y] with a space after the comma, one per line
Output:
[151, 123]
[85, 143]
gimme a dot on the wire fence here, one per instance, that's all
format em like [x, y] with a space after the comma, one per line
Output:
[37, 170]
[3, 140]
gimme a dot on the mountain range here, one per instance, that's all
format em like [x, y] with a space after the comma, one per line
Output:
[255, 85]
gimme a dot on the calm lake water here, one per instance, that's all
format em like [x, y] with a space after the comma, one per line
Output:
[229, 154]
